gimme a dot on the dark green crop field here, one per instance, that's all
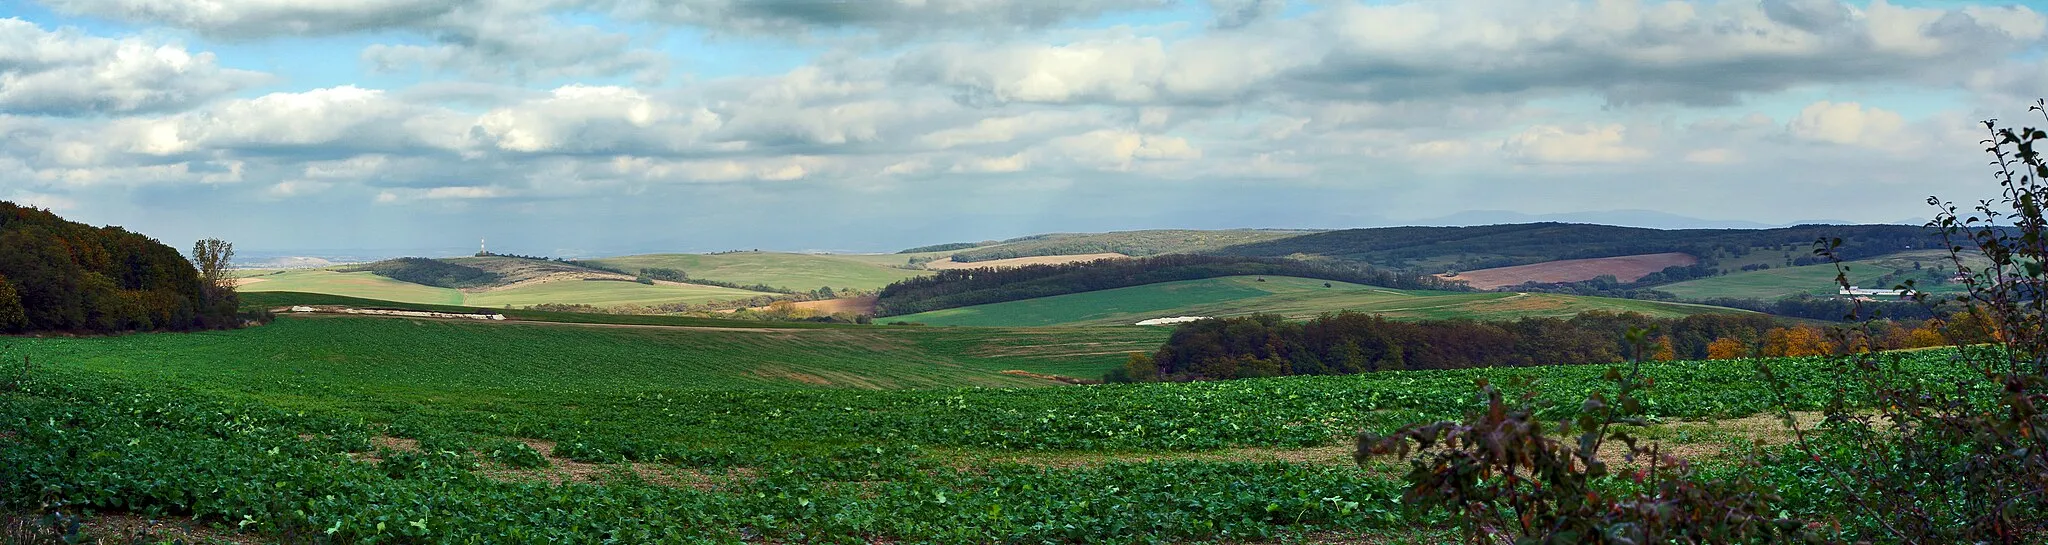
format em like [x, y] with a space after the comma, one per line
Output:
[379, 430]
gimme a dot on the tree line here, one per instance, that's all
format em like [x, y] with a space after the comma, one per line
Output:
[968, 287]
[1348, 343]
[59, 275]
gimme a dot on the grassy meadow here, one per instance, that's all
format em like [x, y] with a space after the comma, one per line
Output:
[1287, 296]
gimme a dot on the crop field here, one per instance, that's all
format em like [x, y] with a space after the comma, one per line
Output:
[782, 270]
[460, 355]
[603, 293]
[1779, 282]
[419, 431]
[1292, 297]
[572, 291]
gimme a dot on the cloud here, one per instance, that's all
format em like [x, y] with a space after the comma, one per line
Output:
[1847, 123]
[1573, 145]
[66, 72]
[1238, 13]
[896, 17]
[265, 18]
[595, 119]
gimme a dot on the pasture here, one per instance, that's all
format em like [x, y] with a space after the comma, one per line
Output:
[1287, 296]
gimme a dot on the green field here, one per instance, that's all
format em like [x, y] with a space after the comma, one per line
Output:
[1291, 297]
[1780, 282]
[500, 357]
[412, 431]
[802, 272]
[597, 293]
[603, 294]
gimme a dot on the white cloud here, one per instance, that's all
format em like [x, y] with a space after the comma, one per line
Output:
[1568, 145]
[1848, 123]
[67, 72]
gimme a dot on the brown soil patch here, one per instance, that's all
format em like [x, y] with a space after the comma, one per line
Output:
[239, 282]
[948, 263]
[783, 373]
[116, 527]
[381, 442]
[563, 470]
[1626, 268]
[1054, 378]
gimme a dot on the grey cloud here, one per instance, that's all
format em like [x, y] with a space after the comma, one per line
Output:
[896, 16]
[1238, 13]
[230, 19]
[1808, 15]
[66, 72]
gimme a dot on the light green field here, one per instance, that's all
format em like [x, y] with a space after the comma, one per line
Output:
[1780, 282]
[783, 270]
[597, 293]
[356, 284]
[1291, 297]
[604, 294]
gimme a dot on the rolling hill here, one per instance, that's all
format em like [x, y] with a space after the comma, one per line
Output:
[1623, 268]
[567, 290]
[1819, 279]
[1440, 249]
[802, 272]
[1292, 297]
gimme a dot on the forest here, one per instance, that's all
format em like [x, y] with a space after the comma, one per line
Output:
[59, 275]
[1350, 343]
[968, 287]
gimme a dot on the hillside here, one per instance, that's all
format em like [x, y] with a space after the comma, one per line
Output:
[1883, 272]
[563, 288]
[1442, 249]
[1287, 296]
[800, 272]
[967, 287]
[1129, 243]
[1623, 268]
[60, 275]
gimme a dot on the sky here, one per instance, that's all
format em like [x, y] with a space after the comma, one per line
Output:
[595, 127]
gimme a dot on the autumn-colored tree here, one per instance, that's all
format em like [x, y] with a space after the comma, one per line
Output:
[788, 309]
[1928, 334]
[1727, 348]
[1664, 350]
[1795, 342]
